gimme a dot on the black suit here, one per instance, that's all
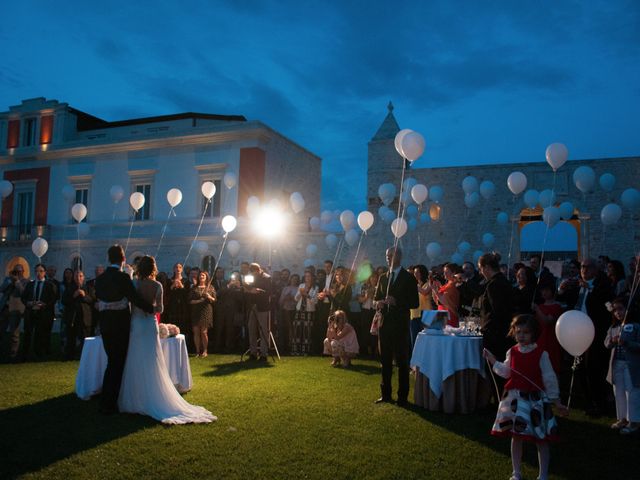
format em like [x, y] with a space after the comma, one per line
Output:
[78, 316]
[394, 336]
[112, 286]
[38, 319]
[496, 311]
[596, 359]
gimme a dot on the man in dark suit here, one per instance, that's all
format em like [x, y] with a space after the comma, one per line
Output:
[115, 288]
[39, 298]
[595, 292]
[395, 298]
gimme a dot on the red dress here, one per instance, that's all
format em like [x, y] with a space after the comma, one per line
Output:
[450, 291]
[547, 339]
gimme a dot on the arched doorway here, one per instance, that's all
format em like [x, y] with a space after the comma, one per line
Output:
[559, 243]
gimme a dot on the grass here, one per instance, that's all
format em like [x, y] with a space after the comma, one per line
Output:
[295, 418]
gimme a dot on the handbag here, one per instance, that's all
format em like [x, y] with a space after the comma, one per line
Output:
[376, 322]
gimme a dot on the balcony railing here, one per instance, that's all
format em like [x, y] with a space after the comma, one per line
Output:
[22, 233]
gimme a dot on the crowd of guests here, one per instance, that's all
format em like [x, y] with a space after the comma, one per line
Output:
[330, 310]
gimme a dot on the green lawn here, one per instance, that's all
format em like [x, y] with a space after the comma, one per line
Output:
[295, 418]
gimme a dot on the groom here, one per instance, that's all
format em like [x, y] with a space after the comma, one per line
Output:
[116, 288]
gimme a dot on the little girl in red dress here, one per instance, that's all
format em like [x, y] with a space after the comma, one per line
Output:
[525, 412]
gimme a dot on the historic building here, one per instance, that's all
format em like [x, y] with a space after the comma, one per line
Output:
[56, 156]
[450, 222]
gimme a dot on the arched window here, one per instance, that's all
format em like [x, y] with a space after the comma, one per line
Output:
[560, 242]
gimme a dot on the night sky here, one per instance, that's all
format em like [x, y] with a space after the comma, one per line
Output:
[484, 82]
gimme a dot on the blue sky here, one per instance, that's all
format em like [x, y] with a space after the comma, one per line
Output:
[484, 82]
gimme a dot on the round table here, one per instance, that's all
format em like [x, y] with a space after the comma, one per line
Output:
[450, 374]
[93, 363]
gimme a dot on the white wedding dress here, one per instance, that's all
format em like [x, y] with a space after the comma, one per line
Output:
[146, 386]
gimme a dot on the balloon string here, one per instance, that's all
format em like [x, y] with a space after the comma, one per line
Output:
[164, 229]
[224, 242]
[335, 257]
[576, 362]
[400, 215]
[353, 264]
[130, 229]
[513, 224]
[634, 287]
[113, 220]
[544, 241]
[197, 233]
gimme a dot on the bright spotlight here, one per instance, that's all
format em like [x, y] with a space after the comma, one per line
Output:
[269, 222]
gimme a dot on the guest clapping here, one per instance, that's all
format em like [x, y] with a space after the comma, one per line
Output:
[201, 299]
[447, 296]
[341, 342]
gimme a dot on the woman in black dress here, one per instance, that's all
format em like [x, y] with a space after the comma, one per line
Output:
[201, 299]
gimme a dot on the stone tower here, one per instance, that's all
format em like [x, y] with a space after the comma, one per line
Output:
[384, 162]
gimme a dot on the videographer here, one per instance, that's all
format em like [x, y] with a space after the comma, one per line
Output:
[257, 289]
[12, 309]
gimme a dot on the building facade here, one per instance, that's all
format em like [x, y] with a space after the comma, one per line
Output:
[56, 156]
[523, 234]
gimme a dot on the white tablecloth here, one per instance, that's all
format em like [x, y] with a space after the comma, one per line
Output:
[440, 356]
[93, 363]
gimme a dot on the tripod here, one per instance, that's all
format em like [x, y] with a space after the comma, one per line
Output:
[269, 336]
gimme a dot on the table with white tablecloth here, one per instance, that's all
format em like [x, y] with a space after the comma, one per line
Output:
[450, 373]
[93, 363]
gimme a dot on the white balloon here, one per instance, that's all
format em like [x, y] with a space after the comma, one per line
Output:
[546, 198]
[610, 214]
[331, 240]
[297, 202]
[487, 189]
[230, 180]
[472, 199]
[314, 223]
[412, 211]
[39, 247]
[413, 146]
[531, 198]
[233, 246]
[78, 211]
[419, 193]
[631, 199]
[365, 220]
[436, 193]
[517, 182]
[83, 229]
[387, 192]
[6, 188]
[347, 220]
[457, 258]
[470, 184]
[201, 247]
[229, 223]
[557, 155]
[326, 216]
[136, 200]
[389, 216]
[464, 247]
[351, 237]
[69, 193]
[433, 250]
[607, 181]
[116, 192]
[312, 249]
[566, 210]
[409, 183]
[476, 255]
[382, 211]
[208, 189]
[174, 197]
[575, 332]
[551, 216]
[399, 227]
[412, 223]
[253, 206]
[398, 140]
[502, 218]
[585, 179]
[488, 240]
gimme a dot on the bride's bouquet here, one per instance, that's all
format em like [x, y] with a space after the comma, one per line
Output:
[168, 330]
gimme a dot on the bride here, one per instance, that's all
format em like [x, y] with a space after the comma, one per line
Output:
[146, 386]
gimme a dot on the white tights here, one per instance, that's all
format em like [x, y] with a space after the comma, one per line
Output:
[543, 457]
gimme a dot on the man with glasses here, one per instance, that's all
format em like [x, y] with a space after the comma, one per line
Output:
[595, 292]
[12, 309]
[39, 298]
